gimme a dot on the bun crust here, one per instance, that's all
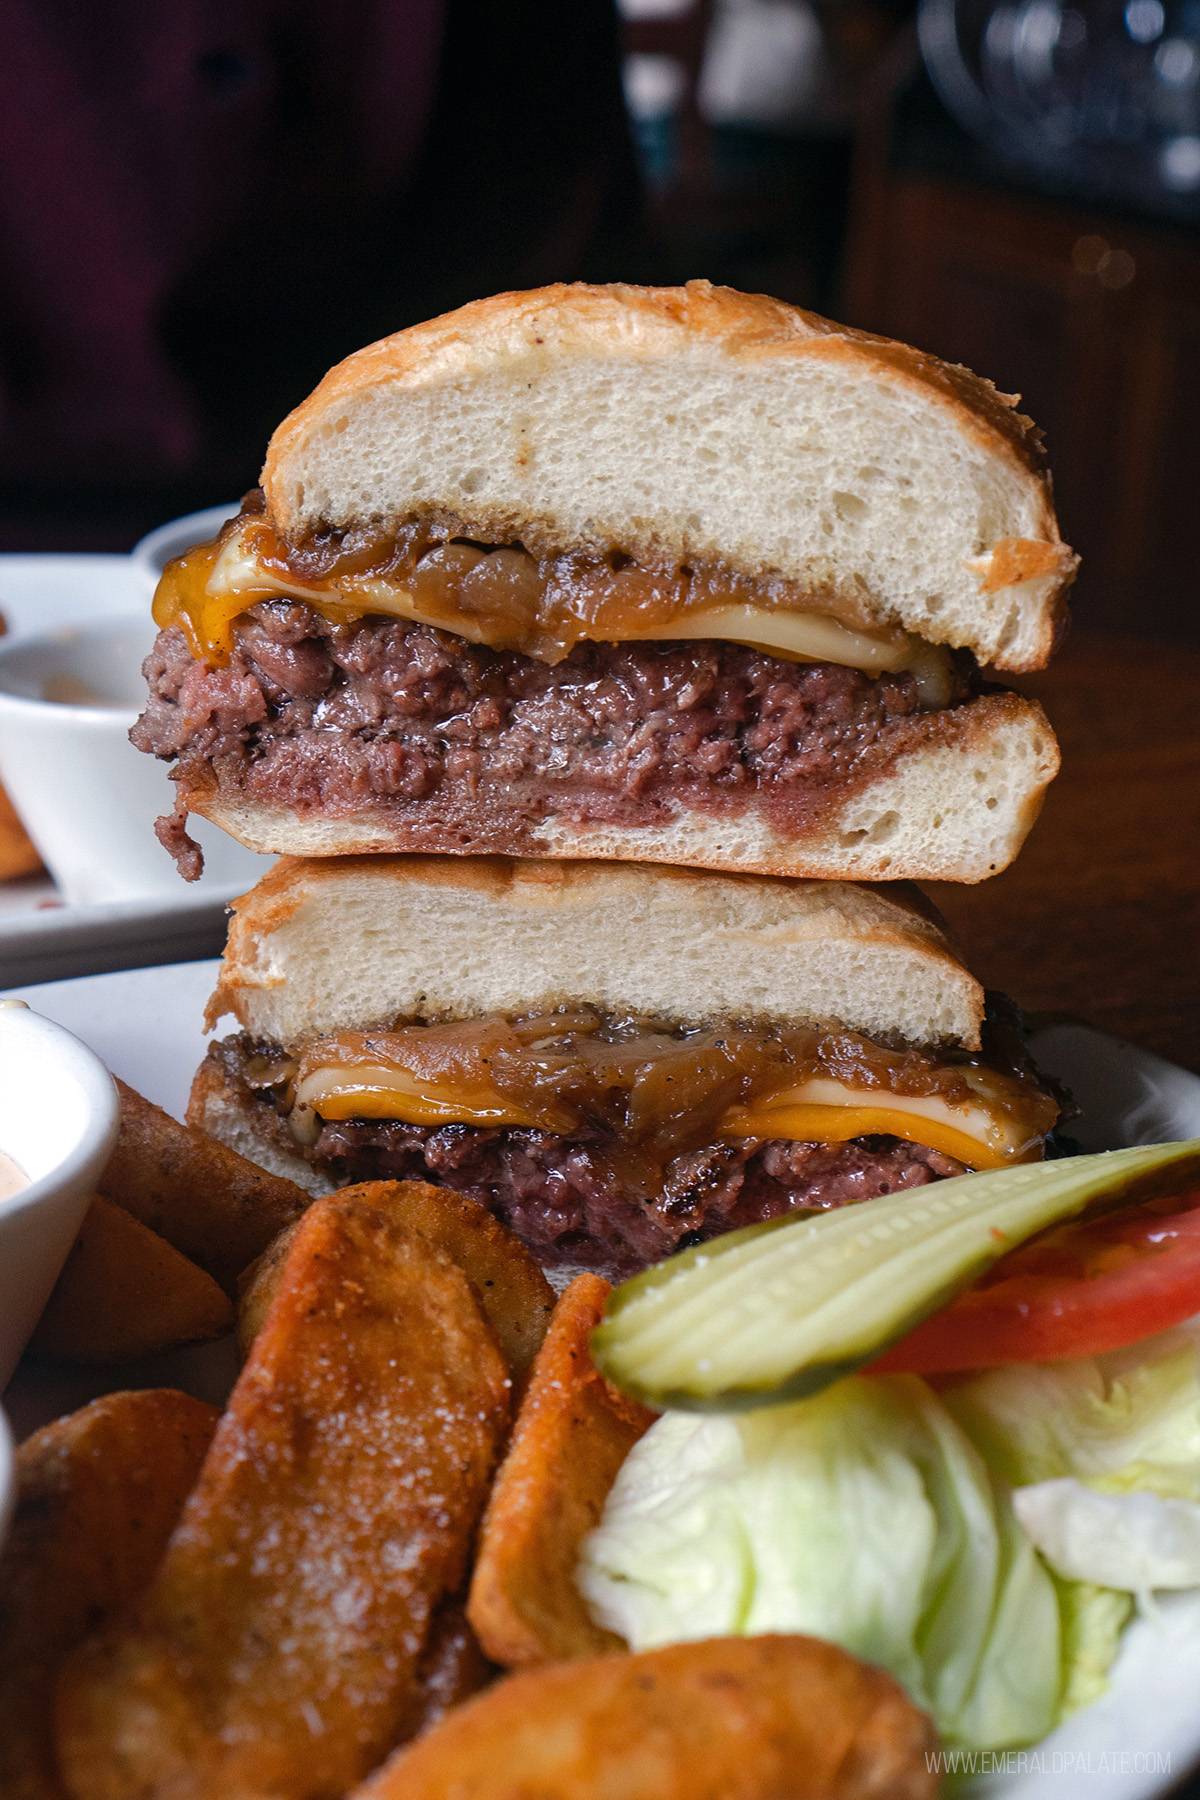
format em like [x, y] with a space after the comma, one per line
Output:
[220, 1110]
[328, 945]
[698, 421]
[958, 809]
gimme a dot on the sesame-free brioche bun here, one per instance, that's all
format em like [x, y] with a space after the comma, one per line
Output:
[345, 944]
[879, 482]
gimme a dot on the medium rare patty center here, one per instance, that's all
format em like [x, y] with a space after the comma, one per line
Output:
[327, 718]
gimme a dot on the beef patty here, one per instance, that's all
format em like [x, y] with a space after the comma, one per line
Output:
[474, 747]
[578, 1202]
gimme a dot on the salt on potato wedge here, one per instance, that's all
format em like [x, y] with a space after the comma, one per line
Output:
[124, 1293]
[757, 1718]
[98, 1495]
[215, 1207]
[279, 1648]
[573, 1432]
[516, 1297]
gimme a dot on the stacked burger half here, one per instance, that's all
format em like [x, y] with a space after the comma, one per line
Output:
[604, 663]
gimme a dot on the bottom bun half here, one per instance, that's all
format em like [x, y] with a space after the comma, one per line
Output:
[957, 808]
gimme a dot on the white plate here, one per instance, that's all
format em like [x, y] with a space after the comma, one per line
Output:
[1138, 1741]
[146, 1024]
[41, 938]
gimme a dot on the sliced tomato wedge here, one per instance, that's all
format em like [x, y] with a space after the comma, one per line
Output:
[1074, 1291]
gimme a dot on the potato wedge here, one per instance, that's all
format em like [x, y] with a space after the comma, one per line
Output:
[210, 1203]
[17, 854]
[258, 1285]
[573, 1432]
[98, 1495]
[757, 1718]
[278, 1651]
[124, 1292]
[516, 1296]
[453, 1666]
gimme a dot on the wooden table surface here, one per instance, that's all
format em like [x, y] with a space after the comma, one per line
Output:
[1100, 914]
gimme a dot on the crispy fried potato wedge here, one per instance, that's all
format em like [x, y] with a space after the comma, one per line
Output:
[98, 1495]
[210, 1203]
[278, 1650]
[573, 1432]
[258, 1286]
[17, 854]
[124, 1292]
[453, 1666]
[516, 1296]
[760, 1718]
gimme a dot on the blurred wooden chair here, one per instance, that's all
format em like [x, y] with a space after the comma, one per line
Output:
[1093, 318]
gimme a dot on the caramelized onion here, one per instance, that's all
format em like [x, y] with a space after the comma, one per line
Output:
[540, 605]
[667, 1093]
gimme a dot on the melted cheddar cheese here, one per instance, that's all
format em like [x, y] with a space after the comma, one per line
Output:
[206, 591]
[815, 1111]
[823, 1111]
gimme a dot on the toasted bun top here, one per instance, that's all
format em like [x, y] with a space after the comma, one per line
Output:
[345, 943]
[697, 422]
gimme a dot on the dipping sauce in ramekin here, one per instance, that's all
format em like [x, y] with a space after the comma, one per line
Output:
[12, 1176]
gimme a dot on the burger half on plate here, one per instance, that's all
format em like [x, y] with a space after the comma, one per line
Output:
[673, 575]
[617, 1059]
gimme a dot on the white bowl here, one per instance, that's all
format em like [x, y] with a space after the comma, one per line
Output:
[152, 553]
[86, 797]
[58, 1122]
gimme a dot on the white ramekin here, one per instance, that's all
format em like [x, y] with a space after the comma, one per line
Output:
[86, 797]
[58, 1121]
[152, 554]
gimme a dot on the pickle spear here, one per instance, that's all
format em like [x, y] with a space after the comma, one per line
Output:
[783, 1309]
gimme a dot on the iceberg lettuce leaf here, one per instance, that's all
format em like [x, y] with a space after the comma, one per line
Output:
[982, 1543]
[1124, 1421]
[671, 1559]
[1014, 1698]
[1093, 1619]
[1138, 1542]
[862, 1515]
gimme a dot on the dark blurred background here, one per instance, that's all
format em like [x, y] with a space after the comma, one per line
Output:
[203, 206]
